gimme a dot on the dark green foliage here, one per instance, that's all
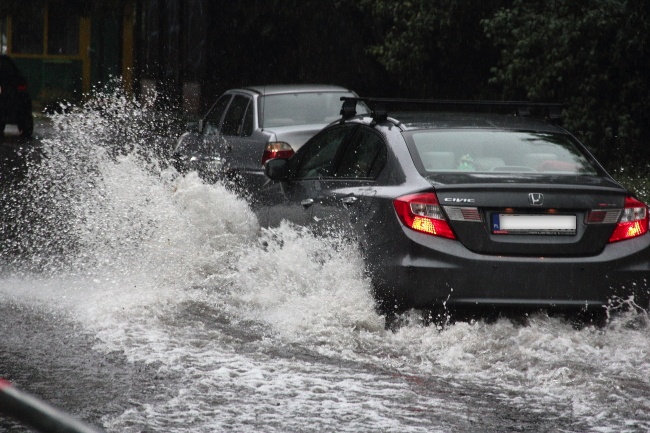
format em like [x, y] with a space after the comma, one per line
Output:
[254, 42]
[593, 55]
[434, 48]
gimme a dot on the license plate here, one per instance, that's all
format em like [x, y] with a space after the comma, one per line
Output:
[510, 224]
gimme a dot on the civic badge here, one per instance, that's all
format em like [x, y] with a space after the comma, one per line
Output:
[536, 198]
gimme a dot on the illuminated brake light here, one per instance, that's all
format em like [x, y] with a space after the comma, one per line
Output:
[277, 149]
[633, 221]
[423, 213]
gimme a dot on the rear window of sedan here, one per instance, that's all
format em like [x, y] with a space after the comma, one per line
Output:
[498, 152]
[303, 108]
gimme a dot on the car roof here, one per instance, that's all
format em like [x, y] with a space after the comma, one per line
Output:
[276, 89]
[449, 120]
[411, 114]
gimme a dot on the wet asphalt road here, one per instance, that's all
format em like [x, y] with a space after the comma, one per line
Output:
[45, 355]
[53, 360]
[29, 357]
[49, 357]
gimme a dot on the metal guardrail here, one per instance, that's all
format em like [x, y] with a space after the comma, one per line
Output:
[37, 414]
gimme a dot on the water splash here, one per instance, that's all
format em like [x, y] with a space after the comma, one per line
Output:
[175, 273]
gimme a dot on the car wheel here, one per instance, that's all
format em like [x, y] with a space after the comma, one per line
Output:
[388, 305]
[26, 127]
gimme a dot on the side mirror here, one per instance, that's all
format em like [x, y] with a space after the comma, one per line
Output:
[277, 169]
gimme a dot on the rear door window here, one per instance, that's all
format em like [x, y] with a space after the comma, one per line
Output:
[316, 159]
[233, 122]
[249, 121]
[364, 156]
[213, 119]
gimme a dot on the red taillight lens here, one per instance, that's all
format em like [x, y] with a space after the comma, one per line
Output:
[277, 149]
[633, 221]
[22, 87]
[422, 213]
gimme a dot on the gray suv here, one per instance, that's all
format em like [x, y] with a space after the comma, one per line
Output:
[246, 127]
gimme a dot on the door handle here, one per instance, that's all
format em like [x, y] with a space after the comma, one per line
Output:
[307, 202]
[349, 201]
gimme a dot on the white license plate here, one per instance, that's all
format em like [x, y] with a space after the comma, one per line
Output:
[533, 224]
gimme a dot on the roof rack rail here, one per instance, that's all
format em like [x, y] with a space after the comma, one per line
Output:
[378, 106]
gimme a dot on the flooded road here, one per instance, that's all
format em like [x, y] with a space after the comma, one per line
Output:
[141, 301]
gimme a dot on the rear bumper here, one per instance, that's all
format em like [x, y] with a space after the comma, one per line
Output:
[422, 271]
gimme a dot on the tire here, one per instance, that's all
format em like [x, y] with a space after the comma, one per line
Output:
[387, 305]
[26, 126]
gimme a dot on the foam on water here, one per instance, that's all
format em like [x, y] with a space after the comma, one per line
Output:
[276, 329]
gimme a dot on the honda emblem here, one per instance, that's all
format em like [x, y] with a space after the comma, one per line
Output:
[536, 198]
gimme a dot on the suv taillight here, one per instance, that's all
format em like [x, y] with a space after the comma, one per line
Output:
[423, 213]
[633, 221]
[277, 149]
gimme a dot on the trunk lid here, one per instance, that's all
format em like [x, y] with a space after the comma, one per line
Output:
[295, 135]
[530, 215]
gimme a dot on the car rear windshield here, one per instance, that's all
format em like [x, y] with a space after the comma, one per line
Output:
[497, 152]
[291, 109]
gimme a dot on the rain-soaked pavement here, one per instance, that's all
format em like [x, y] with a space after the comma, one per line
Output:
[138, 300]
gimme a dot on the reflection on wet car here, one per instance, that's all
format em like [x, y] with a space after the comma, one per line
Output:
[468, 209]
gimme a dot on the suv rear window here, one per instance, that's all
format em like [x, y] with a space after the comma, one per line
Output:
[498, 152]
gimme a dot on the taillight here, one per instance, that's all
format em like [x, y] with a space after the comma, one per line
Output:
[423, 213]
[22, 87]
[633, 221]
[277, 149]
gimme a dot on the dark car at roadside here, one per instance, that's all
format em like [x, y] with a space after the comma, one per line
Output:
[15, 100]
[468, 209]
[247, 126]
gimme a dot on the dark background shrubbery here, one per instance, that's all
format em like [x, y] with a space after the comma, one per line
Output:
[592, 55]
